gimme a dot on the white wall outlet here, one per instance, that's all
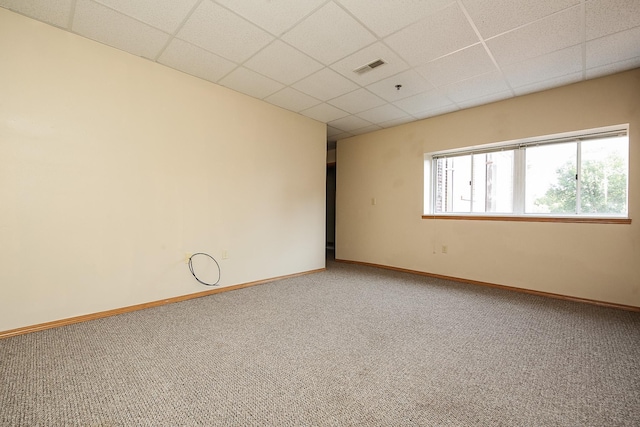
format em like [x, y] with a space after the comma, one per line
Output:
[225, 254]
[373, 201]
[445, 249]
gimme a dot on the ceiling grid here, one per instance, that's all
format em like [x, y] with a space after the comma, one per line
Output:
[446, 55]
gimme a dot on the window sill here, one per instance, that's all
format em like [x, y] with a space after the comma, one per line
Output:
[527, 218]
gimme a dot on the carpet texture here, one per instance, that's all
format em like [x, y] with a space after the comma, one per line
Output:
[351, 346]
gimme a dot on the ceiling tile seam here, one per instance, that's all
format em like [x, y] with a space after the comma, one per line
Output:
[379, 39]
[486, 48]
[453, 52]
[522, 61]
[103, 43]
[178, 28]
[271, 78]
[275, 38]
[293, 47]
[436, 87]
[292, 88]
[353, 78]
[520, 87]
[244, 18]
[352, 91]
[415, 22]
[185, 72]
[72, 13]
[355, 18]
[236, 65]
[603, 37]
[364, 127]
[279, 36]
[331, 64]
[352, 130]
[383, 40]
[519, 27]
[123, 15]
[583, 31]
[131, 17]
[386, 104]
[635, 58]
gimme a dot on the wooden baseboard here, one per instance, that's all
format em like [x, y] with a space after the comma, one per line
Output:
[114, 312]
[493, 285]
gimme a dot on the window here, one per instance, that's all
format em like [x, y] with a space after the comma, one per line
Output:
[579, 174]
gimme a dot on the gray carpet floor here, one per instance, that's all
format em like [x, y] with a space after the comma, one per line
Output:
[351, 346]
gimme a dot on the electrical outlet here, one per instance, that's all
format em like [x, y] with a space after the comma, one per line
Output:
[225, 254]
[445, 249]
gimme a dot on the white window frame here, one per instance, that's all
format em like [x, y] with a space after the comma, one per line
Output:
[519, 147]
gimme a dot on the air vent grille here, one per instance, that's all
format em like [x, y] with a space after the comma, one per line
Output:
[370, 66]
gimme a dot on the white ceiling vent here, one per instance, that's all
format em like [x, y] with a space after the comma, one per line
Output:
[370, 66]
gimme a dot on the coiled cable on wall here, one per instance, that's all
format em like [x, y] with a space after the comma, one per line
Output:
[194, 274]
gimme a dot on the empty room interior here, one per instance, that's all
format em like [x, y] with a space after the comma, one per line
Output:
[320, 212]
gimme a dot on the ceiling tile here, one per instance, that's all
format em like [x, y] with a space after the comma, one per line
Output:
[55, 12]
[547, 35]
[357, 101]
[548, 84]
[366, 129]
[486, 99]
[604, 17]
[193, 60]
[324, 113]
[283, 63]
[436, 112]
[250, 83]
[438, 34]
[545, 67]
[329, 34]
[331, 131]
[325, 84]
[274, 16]
[224, 33]
[460, 65]
[342, 135]
[393, 64]
[107, 26]
[383, 113]
[388, 16]
[396, 122]
[615, 67]
[614, 48]
[423, 102]
[165, 15]
[292, 100]
[476, 87]
[349, 123]
[497, 16]
[412, 84]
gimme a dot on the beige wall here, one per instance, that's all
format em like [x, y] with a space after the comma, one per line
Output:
[600, 262]
[112, 168]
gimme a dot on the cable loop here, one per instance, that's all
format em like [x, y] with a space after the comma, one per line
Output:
[194, 274]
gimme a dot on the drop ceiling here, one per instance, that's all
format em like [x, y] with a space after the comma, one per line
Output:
[302, 55]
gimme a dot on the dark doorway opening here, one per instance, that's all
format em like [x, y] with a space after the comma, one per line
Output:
[331, 211]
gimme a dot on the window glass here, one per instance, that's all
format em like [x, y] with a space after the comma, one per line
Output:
[475, 183]
[453, 187]
[603, 176]
[550, 180]
[493, 182]
[570, 174]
